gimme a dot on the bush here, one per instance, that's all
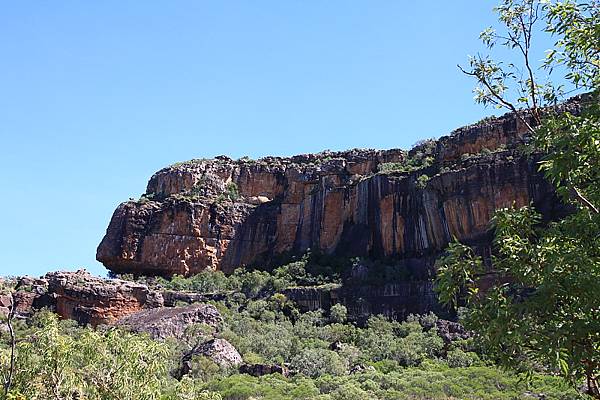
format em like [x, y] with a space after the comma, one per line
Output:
[458, 358]
[203, 282]
[232, 191]
[69, 362]
[422, 181]
[318, 362]
[338, 313]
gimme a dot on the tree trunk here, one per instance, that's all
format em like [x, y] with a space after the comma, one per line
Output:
[592, 383]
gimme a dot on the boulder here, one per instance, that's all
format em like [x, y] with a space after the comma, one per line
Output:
[218, 350]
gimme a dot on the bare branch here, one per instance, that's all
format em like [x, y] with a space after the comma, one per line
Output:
[525, 50]
[581, 199]
[498, 97]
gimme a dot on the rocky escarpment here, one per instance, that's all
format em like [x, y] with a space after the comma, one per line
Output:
[83, 297]
[223, 213]
[397, 206]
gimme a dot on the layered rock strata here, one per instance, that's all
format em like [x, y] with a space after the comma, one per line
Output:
[223, 213]
[396, 206]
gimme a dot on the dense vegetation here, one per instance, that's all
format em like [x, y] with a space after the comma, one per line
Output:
[330, 359]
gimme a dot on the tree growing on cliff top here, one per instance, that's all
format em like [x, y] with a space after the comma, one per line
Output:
[545, 307]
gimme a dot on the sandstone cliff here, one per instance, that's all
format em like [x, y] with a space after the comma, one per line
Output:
[223, 213]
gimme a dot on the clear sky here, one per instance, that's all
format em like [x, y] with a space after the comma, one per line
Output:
[98, 95]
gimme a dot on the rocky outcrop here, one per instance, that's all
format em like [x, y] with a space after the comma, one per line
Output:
[396, 206]
[31, 294]
[394, 300]
[220, 351]
[312, 298]
[92, 300]
[223, 213]
[5, 304]
[220, 214]
[83, 297]
[161, 323]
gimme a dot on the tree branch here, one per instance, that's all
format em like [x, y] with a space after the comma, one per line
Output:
[499, 98]
[581, 199]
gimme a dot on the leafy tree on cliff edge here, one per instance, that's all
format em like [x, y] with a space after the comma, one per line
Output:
[544, 310]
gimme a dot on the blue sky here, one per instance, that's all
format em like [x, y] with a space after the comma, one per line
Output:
[96, 96]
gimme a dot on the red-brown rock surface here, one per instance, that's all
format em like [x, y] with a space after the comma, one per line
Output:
[221, 213]
[85, 298]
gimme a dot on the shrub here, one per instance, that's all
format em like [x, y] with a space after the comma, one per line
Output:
[318, 362]
[232, 191]
[338, 313]
[68, 362]
[458, 358]
[391, 167]
[422, 181]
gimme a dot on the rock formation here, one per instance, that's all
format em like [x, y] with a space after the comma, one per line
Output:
[164, 322]
[5, 304]
[220, 351]
[83, 297]
[222, 214]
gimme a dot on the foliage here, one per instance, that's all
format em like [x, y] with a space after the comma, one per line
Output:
[456, 271]
[572, 147]
[409, 357]
[59, 362]
[390, 167]
[314, 362]
[574, 26]
[203, 282]
[419, 157]
[249, 283]
[232, 191]
[577, 48]
[338, 313]
[458, 358]
[542, 311]
[432, 381]
[422, 181]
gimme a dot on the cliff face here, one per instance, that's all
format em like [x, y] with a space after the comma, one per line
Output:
[221, 214]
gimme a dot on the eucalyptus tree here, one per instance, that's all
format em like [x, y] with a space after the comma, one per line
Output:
[543, 311]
